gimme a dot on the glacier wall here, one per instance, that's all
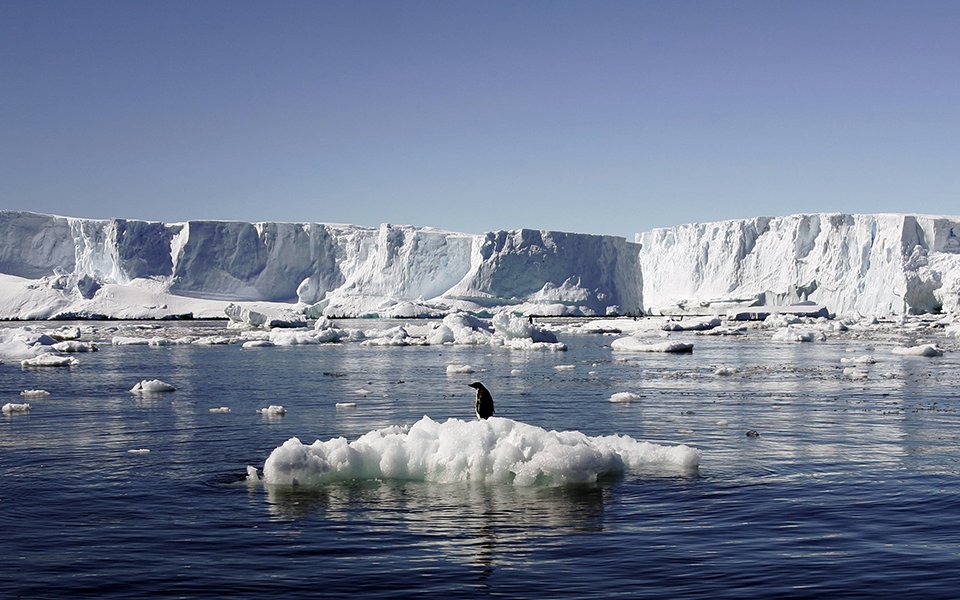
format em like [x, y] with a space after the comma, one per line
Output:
[867, 264]
[342, 270]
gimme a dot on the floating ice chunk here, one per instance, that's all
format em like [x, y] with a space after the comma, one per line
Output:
[362, 392]
[456, 369]
[516, 372]
[564, 367]
[725, 371]
[272, 411]
[50, 360]
[142, 341]
[282, 337]
[496, 450]
[692, 324]
[723, 423]
[919, 350]
[625, 397]
[510, 326]
[13, 408]
[790, 334]
[634, 344]
[139, 451]
[34, 393]
[220, 409]
[152, 386]
[252, 475]
[346, 405]
[67, 332]
[258, 344]
[75, 346]
[855, 373]
[866, 359]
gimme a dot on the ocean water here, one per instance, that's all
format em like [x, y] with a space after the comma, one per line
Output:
[850, 488]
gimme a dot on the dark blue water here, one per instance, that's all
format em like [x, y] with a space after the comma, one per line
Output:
[851, 488]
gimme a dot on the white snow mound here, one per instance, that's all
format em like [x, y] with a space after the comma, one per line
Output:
[496, 450]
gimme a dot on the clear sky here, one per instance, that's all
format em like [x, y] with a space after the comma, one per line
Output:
[594, 116]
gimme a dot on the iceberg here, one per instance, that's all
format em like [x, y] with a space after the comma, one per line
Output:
[497, 450]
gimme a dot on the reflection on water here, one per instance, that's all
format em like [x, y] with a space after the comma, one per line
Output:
[481, 525]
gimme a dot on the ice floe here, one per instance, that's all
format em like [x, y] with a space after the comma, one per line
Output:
[273, 410]
[152, 386]
[49, 360]
[928, 350]
[34, 393]
[635, 344]
[495, 450]
[625, 397]
[13, 408]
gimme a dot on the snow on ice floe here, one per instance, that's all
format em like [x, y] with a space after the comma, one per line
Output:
[635, 344]
[496, 450]
[625, 397]
[50, 360]
[34, 393]
[11, 408]
[928, 350]
[152, 386]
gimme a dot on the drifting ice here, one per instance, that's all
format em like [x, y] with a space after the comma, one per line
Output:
[152, 386]
[496, 450]
[11, 408]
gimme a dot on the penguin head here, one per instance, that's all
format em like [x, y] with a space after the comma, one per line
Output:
[476, 385]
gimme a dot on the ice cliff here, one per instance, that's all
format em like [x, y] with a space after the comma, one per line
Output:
[62, 267]
[59, 267]
[869, 264]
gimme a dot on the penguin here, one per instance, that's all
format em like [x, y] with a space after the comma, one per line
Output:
[484, 400]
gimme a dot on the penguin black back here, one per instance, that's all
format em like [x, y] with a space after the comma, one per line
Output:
[484, 404]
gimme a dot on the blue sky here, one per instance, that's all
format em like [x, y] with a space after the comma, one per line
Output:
[598, 117]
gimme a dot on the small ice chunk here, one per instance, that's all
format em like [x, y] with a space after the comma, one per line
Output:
[11, 407]
[272, 411]
[790, 334]
[516, 372]
[634, 344]
[252, 475]
[220, 409]
[920, 350]
[723, 423]
[625, 397]
[75, 346]
[855, 373]
[346, 404]
[139, 451]
[455, 369]
[258, 344]
[724, 371]
[362, 392]
[565, 367]
[866, 359]
[50, 360]
[152, 386]
[34, 393]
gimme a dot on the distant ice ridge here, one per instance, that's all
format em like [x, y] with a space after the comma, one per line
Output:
[69, 267]
[496, 450]
[868, 264]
